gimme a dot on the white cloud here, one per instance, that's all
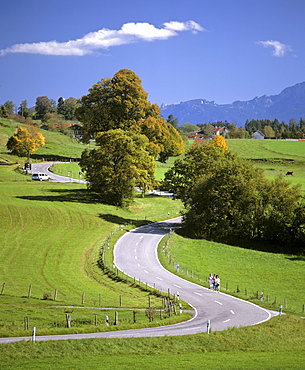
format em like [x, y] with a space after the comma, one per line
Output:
[279, 49]
[105, 38]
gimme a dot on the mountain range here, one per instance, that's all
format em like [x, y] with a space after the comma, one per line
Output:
[288, 104]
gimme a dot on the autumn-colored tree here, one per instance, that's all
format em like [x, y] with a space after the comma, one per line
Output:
[268, 132]
[120, 164]
[164, 139]
[220, 142]
[112, 103]
[25, 142]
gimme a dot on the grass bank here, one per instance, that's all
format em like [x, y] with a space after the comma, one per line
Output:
[244, 272]
[276, 344]
[51, 237]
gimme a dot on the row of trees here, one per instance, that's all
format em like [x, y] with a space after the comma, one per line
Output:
[279, 130]
[270, 128]
[64, 108]
[227, 198]
[129, 133]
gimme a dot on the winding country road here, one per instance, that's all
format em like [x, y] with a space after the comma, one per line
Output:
[135, 254]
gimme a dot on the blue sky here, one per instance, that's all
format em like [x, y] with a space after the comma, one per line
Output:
[220, 50]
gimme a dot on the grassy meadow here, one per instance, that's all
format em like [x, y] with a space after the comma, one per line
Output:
[245, 273]
[51, 235]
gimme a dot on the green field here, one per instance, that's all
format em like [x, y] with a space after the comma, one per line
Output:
[51, 237]
[244, 272]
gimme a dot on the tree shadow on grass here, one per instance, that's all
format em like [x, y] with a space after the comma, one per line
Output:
[87, 197]
[53, 158]
[122, 220]
[253, 244]
[64, 195]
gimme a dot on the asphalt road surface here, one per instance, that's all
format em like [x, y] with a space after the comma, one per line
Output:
[135, 254]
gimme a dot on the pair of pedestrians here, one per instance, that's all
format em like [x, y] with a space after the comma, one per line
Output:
[214, 282]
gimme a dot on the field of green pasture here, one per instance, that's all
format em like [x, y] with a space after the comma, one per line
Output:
[245, 273]
[51, 236]
[275, 157]
[58, 146]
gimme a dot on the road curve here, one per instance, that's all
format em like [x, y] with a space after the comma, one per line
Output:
[136, 255]
[43, 167]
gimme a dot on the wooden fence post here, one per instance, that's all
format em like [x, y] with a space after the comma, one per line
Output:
[83, 298]
[3, 287]
[26, 323]
[55, 294]
[30, 291]
[68, 320]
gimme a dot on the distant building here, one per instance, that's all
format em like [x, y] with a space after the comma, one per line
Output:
[219, 131]
[77, 131]
[258, 135]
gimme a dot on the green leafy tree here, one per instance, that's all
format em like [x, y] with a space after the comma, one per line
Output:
[44, 105]
[224, 201]
[120, 164]
[10, 107]
[23, 110]
[236, 200]
[25, 142]
[188, 127]
[172, 121]
[67, 107]
[198, 161]
[3, 112]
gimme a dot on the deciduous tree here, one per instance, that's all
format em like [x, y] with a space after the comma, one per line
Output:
[25, 142]
[112, 103]
[120, 164]
[199, 160]
[44, 105]
[121, 103]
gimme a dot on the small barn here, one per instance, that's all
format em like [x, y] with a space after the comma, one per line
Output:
[258, 135]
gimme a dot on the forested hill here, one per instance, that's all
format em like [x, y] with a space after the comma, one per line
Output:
[290, 103]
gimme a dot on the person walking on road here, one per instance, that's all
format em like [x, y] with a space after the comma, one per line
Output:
[211, 281]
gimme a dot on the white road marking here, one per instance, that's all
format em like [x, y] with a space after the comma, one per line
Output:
[226, 320]
[146, 271]
[137, 243]
[197, 293]
[136, 257]
[177, 286]
[139, 265]
[159, 278]
[141, 237]
[232, 312]
[135, 250]
[219, 303]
